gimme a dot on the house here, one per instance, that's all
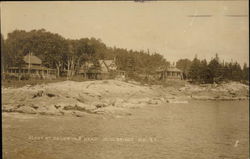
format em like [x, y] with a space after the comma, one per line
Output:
[169, 73]
[107, 65]
[32, 67]
[106, 69]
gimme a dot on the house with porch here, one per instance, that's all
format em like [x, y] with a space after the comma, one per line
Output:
[32, 67]
[169, 73]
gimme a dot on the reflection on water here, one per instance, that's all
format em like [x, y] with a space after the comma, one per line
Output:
[200, 129]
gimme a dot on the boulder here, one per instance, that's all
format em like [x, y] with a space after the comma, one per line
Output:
[177, 101]
[26, 109]
[99, 104]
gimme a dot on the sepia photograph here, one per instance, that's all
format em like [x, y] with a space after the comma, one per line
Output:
[164, 79]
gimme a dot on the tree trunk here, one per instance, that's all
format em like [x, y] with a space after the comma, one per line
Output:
[78, 66]
[2, 71]
[68, 70]
[58, 66]
[72, 68]
[58, 71]
[19, 74]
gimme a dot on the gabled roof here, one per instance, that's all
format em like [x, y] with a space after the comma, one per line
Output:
[107, 62]
[105, 66]
[110, 64]
[33, 59]
[161, 68]
[173, 69]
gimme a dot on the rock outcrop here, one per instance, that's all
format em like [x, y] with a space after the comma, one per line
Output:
[108, 97]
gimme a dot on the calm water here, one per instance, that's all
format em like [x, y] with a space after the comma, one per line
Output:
[202, 130]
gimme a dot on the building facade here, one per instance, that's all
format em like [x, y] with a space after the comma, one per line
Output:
[106, 69]
[32, 68]
[169, 73]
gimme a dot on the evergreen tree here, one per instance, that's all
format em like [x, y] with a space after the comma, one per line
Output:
[194, 70]
[245, 72]
[236, 72]
[204, 72]
[2, 54]
[184, 66]
[215, 70]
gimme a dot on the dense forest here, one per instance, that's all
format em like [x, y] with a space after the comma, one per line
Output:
[63, 54]
[215, 70]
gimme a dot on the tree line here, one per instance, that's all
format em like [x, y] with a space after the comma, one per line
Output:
[69, 55]
[215, 70]
[63, 54]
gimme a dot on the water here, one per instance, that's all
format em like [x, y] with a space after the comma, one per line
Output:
[200, 129]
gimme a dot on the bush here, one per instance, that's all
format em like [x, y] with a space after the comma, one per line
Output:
[24, 77]
[11, 76]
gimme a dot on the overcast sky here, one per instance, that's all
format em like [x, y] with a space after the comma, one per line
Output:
[175, 29]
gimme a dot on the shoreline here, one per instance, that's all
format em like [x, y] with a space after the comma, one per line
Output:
[110, 96]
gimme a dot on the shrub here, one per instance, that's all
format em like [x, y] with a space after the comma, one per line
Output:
[11, 77]
[24, 77]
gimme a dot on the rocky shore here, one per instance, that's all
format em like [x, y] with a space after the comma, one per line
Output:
[109, 96]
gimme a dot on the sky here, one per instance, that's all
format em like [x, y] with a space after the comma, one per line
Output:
[175, 29]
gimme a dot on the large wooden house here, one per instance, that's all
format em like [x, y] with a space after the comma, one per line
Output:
[32, 67]
[106, 69]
